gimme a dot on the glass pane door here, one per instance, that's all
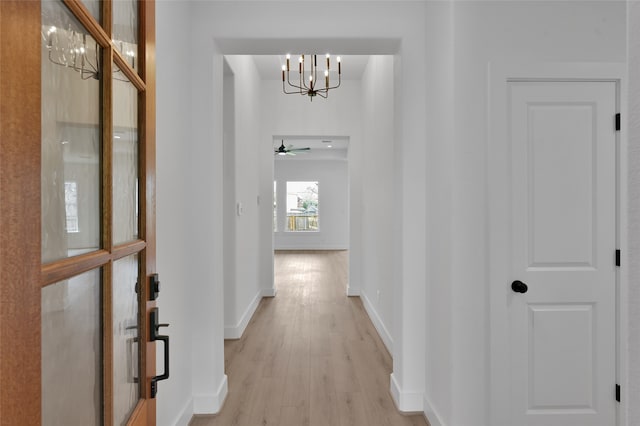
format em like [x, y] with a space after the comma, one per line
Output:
[126, 333]
[95, 258]
[72, 351]
[71, 134]
[125, 158]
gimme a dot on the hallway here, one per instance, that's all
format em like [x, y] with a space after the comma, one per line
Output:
[310, 356]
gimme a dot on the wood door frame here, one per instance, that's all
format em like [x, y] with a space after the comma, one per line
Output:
[20, 239]
[22, 274]
[498, 217]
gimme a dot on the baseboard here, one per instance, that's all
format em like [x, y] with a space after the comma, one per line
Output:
[352, 291]
[184, 418]
[377, 322]
[431, 414]
[269, 292]
[406, 402]
[211, 404]
[235, 331]
[310, 246]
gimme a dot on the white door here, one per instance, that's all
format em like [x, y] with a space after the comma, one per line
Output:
[562, 330]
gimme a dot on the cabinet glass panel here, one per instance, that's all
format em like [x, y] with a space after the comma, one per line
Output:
[72, 351]
[125, 159]
[126, 359]
[125, 30]
[70, 135]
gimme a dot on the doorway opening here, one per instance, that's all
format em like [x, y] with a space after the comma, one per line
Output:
[349, 166]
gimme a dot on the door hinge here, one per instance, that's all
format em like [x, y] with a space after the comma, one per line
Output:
[617, 392]
[617, 257]
[617, 122]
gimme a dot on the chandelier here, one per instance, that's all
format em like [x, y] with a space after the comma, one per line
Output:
[81, 53]
[308, 82]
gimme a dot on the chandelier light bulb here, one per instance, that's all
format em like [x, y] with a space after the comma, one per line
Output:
[309, 86]
[50, 33]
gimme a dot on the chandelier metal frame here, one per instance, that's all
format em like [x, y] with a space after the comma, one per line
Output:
[308, 80]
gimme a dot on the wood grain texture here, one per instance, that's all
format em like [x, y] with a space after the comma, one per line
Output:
[107, 343]
[21, 272]
[20, 328]
[89, 22]
[147, 114]
[310, 356]
[68, 267]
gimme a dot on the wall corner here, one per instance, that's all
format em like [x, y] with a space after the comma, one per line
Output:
[406, 402]
[212, 403]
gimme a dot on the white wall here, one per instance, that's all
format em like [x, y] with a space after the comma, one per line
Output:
[438, 265]
[438, 398]
[229, 201]
[378, 210]
[338, 115]
[333, 198]
[173, 203]
[243, 293]
[205, 225]
[631, 384]
[500, 31]
[273, 27]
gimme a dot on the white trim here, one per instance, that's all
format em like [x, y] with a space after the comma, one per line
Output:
[431, 414]
[352, 291]
[377, 322]
[623, 245]
[269, 292]
[211, 403]
[498, 208]
[185, 415]
[305, 245]
[236, 331]
[407, 402]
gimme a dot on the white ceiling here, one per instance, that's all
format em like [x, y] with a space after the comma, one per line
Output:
[324, 146]
[270, 66]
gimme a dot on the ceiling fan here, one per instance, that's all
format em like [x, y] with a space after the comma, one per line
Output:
[289, 150]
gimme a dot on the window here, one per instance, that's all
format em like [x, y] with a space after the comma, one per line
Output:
[302, 206]
[71, 206]
[275, 207]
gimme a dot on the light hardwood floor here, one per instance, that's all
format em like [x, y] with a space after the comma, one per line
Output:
[310, 356]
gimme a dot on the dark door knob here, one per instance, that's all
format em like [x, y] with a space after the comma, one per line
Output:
[519, 287]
